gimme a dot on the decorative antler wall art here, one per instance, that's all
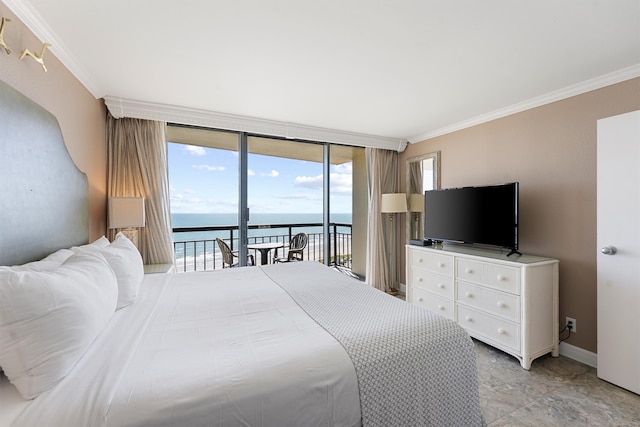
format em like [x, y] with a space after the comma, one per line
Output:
[2, 43]
[37, 57]
[26, 52]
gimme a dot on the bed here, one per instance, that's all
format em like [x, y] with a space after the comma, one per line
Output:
[291, 344]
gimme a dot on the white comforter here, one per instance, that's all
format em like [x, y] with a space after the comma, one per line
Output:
[224, 348]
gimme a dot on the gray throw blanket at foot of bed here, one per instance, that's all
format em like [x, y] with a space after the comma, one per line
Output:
[414, 367]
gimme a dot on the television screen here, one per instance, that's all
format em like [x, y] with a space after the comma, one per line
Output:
[486, 215]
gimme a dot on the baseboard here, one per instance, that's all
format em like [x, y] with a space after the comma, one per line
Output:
[579, 354]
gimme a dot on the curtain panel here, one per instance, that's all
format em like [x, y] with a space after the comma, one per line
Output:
[382, 174]
[137, 167]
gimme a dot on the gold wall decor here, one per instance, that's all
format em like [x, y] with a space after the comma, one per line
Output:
[2, 43]
[35, 56]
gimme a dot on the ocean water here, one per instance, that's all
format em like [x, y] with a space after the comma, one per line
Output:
[259, 219]
[204, 255]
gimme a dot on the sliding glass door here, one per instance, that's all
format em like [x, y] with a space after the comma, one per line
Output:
[256, 193]
[285, 197]
[204, 182]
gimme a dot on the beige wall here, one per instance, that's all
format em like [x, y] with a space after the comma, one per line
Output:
[551, 151]
[81, 116]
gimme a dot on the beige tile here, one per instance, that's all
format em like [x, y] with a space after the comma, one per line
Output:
[554, 392]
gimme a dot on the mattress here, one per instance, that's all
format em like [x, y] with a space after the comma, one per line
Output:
[218, 348]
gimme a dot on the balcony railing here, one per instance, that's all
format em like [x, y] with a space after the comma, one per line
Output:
[196, 249]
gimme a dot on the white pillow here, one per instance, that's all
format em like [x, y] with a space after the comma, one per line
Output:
[55, 259]
[102, 242]
[126, 262]
[48, 319]
[50, 262]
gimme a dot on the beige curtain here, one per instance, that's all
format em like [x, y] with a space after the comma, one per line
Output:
[415, 183]
[382, 172]
[137, 166]
[415, 187]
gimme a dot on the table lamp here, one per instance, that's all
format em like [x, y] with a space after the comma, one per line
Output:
[127, 213]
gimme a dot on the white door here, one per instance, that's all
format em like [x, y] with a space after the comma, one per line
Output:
[619, 250]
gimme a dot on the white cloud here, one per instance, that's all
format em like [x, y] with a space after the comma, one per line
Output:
[314, 182]
[250, 172]
[272, 174]
[190, 191]
[209, 168]
[299, 196]
[340, 182]
[345, 168]
[195, 150]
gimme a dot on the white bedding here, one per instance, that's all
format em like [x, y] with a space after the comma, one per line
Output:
[232, 349]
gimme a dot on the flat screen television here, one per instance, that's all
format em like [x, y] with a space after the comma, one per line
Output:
[483, 215]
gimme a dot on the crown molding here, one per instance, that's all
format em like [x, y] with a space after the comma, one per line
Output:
[32, 19]
[121, 107]
[567, 92]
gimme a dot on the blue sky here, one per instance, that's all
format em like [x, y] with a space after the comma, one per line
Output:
[205, 180]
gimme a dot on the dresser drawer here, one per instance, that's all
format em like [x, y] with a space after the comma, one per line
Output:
[493, 275]
[431, 302]
[486, 299]
[435, 283]
[436, 263]
[496, 329]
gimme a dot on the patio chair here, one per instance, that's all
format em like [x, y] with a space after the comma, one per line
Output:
[296, 248]
[228, 256]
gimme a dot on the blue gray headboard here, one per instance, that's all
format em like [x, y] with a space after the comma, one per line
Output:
[43, 196]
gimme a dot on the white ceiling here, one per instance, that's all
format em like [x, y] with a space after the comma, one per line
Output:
[397, 69]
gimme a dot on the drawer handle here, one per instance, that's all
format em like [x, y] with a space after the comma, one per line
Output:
[501, 304]
[501, 331]
[420, 299]
[469, 319]
[441, 264]
[500, 278]
[419, 279]
[440, 285]
[468, 295]
[440, 307]
[468, 271]
[419, 259]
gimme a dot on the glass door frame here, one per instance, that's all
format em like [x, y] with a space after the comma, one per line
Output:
[243, 203]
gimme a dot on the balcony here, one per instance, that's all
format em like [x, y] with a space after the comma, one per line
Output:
[196, 249]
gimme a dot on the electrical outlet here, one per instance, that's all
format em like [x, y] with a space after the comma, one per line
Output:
[572, 321]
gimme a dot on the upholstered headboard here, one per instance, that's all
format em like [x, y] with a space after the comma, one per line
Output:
[43, 196]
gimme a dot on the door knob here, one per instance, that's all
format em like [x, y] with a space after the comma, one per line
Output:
[609, 250]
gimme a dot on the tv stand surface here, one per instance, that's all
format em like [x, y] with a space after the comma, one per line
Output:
[509, 303]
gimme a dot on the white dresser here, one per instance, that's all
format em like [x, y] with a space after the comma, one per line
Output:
[510, 303]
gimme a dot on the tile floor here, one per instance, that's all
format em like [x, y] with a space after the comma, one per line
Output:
[554, 392]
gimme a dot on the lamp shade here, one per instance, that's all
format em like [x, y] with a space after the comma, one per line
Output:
[126, 212]
[393, 203]
[416, 203]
